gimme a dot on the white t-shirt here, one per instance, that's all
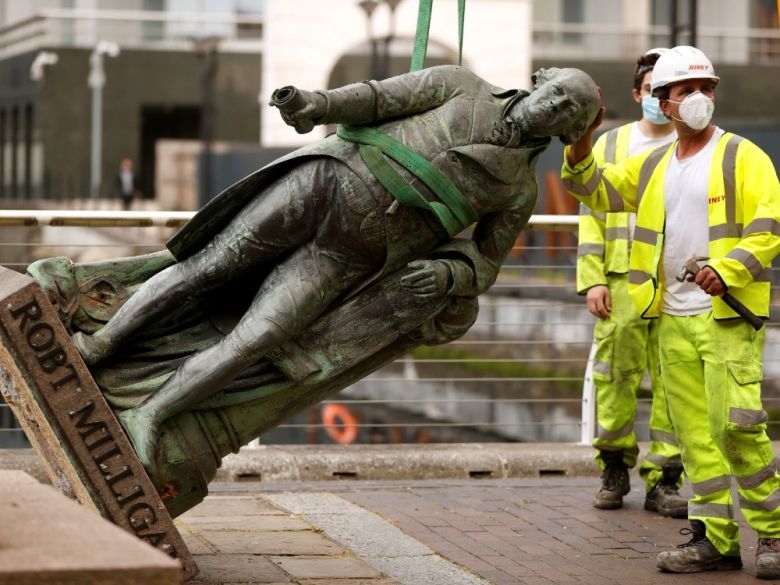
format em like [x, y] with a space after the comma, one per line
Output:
[638, 142]
[686, 234]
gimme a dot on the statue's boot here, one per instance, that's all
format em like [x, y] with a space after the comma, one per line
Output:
[93, 348]
[143, 432]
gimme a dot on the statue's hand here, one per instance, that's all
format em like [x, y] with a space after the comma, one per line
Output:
[430, 278]
[299, 108]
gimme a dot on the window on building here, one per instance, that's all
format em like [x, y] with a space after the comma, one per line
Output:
[28, 149]
[200, 29]
[678, 16]
[153, 30]
[660, 15]
[764, 14]
[247, 30]
[572, 12]
[14, 148]
[3, 148]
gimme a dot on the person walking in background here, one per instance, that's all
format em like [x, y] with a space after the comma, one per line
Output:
[711, 196]
[627, 345]
[127, 183]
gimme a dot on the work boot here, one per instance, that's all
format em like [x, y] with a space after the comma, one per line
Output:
[614, 482]
[664, 498]
[768, 558]
[696, 555]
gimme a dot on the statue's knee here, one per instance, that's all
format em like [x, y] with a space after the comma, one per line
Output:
[251, 340]
[450, 323]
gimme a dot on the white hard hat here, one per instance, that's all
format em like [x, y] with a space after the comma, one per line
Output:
[657, 51]
[681, 63]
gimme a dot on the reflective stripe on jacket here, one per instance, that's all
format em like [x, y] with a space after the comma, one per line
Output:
[744, 218]
[603, 246]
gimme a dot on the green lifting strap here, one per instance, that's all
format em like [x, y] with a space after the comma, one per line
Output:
[461, 19]
[421, 37]
[423, 28]
[454, 210]
[404, 192]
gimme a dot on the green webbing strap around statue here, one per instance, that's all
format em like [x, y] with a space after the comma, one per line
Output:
[461, 19]
[403, 192]
[423, 28]
[421, 36]
[454, 211]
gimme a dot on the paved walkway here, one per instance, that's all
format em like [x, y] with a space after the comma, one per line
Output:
[503, 514]
[431, 532]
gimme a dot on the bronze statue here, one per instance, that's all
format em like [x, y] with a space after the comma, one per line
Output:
[320, 267]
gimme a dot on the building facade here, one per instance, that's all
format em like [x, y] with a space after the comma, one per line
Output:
[202, 70]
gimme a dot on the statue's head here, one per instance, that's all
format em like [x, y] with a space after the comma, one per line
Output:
[564, 103]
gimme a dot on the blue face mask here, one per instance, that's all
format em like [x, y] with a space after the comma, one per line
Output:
[651, 111]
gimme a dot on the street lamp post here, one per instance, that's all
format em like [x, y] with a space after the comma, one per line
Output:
[37, 68]
[380, 63]
[207, 48]
[96, 81]
[385, 69]
[41, 60]
[368, 7]
[677, 28]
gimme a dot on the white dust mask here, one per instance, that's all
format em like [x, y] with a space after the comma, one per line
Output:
[696, 110]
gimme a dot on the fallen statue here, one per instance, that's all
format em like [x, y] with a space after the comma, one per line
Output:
[319, 268]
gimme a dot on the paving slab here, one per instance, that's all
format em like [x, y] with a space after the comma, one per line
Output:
[243, 539]
[238, 569]
[304, 567]
[49, 539]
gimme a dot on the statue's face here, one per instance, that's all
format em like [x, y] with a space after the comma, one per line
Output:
[564, 103]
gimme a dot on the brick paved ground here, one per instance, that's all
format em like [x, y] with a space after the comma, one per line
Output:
[507, 532]
[541, 532]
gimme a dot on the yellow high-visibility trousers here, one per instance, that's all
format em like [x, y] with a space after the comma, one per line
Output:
[626, 347]
[712, 374]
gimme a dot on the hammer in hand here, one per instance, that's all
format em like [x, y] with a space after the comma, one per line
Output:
[691, 268]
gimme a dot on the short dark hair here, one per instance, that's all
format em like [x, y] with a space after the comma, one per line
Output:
[662, 93]
[644, 64]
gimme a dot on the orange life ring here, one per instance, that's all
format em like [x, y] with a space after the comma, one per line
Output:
[340, 423]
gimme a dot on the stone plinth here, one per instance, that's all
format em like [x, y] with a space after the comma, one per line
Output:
[69, 423]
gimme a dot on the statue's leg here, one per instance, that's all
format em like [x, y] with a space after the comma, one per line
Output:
[157, 295]
[295, 293]
[281, 219]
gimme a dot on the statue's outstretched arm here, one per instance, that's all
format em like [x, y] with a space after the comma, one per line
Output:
[367, 102]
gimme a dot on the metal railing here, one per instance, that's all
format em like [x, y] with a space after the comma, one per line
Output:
[519, 374]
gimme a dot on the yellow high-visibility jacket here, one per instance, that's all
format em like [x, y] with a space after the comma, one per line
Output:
[603, 237]
[744, 218]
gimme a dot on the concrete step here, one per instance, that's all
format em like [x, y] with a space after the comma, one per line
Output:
[49, 539]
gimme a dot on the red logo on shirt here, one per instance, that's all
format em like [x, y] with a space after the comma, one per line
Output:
[717, 199]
